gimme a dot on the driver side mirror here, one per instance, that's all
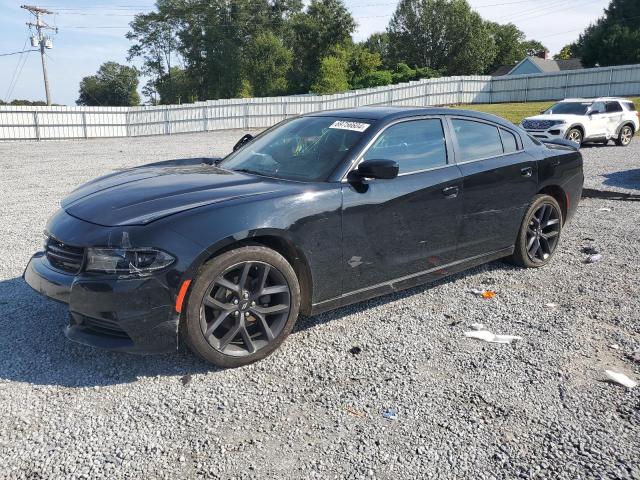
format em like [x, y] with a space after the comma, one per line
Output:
[381, 169]
[243, 141]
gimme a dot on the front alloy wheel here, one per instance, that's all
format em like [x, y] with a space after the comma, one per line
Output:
[245, 308]
[575, 135]
[241, 306]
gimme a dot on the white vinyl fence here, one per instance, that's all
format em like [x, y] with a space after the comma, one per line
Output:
[254, 113]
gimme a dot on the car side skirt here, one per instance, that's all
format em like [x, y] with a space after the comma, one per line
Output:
[409, 281]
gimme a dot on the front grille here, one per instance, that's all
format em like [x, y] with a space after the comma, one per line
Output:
[537, 124]
[102, 326]
[64, 257]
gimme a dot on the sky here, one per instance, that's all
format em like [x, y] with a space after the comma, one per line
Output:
[91, 33]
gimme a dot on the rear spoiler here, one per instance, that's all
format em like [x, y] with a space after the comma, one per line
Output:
[561, 142]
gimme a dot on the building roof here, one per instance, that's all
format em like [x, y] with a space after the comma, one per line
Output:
[544, 65]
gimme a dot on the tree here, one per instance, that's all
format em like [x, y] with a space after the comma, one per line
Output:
[532, 48]
[440, 34]
[361, 63]
[114, 85]
[176, 87]
[314, 34]
[615, 38]
[379, 78]
[267, 63]
[332, 75]
[567, 52]
[509, 44]
[378, 43]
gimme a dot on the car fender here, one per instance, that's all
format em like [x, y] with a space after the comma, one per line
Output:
[585, 133]
[626, 122]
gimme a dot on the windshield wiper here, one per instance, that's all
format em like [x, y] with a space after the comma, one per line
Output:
[248, 170]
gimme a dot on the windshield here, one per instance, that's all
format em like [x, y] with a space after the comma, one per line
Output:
[569, 108]
[304, 148]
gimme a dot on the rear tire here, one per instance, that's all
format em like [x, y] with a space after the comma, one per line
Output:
[539, 233]
[575, 135]
[242, 306]
[625, 136]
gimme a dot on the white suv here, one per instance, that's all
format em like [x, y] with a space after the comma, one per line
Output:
[586, 120]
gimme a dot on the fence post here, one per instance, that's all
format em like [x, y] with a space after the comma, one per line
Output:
[491, 90]
[246, 115]
[167, 126]
[526, 89]
[426, 93]
[390, 97]
[205, 118]
[566, 86]
[610, 81]
[84, 124]
[460, 85]
[128, 123]
[37, 124]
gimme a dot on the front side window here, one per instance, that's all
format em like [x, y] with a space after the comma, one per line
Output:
[598, 107]
[415, 145]
[477, 140]
[304, 149]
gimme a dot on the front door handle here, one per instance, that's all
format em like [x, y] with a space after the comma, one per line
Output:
[526, 171]
[450, 192]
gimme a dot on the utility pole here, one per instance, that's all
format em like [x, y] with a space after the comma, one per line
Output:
[41, 40]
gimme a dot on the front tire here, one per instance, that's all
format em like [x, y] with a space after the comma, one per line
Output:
[575, 135]
[242, 306]
[625, 136]
[539, 233]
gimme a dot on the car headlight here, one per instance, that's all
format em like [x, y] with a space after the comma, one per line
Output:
[127, 260]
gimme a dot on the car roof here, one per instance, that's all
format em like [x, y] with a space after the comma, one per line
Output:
[598, 99]
[394, 113]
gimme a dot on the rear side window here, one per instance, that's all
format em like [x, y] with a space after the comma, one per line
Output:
[613, 107]
[477, 140]
[508, 141]
[630, 106]
[416, 145]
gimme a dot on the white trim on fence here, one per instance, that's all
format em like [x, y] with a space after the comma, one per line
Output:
[254, 113]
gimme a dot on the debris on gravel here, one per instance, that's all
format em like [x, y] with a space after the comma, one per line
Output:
[538, 408]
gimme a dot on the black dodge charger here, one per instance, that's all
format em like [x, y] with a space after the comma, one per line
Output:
[319, 211]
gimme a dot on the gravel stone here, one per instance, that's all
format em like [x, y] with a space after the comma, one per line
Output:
[538, 408]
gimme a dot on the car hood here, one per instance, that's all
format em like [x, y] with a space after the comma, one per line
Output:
[566, 118]
[141, 195]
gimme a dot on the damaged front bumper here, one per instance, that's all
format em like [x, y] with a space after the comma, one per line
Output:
[134, 315]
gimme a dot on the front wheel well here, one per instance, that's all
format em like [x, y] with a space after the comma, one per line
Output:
[295, 258]
[560, 196]
[577, 127]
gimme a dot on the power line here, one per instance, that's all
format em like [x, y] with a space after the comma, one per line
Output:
[16, 53]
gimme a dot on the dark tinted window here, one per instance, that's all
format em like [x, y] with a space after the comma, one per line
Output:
[509, 141]
[598, 107]
[415, 145]
[477, 140]
[613, 107]
[569, 108]
[630, 106]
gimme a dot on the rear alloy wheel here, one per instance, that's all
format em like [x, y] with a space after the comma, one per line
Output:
[243, 305]
[539, 233]
[625, 136]
[575, 135]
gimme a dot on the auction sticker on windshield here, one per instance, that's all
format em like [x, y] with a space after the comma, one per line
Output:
[355, 126]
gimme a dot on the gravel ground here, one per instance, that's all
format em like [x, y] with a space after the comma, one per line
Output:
[465, 409]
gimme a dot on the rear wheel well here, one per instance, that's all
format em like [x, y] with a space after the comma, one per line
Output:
[560, 197]
[629, 124]
[290, 253]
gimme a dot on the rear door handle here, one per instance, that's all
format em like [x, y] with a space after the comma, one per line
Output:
[450, 192]
[526, 171]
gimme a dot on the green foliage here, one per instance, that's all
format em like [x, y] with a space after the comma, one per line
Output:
[510, 48]
[533, 47]
[267, 62]
[315, 33]
[440, 34]
[332, 75]
[25, 103]
[176, 87]
[403, 73]
[379, 78]
[567, 52]
[378, 43]
[114, 85]
[615, 38]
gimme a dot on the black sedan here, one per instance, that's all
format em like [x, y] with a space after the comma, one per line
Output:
[318, 212]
